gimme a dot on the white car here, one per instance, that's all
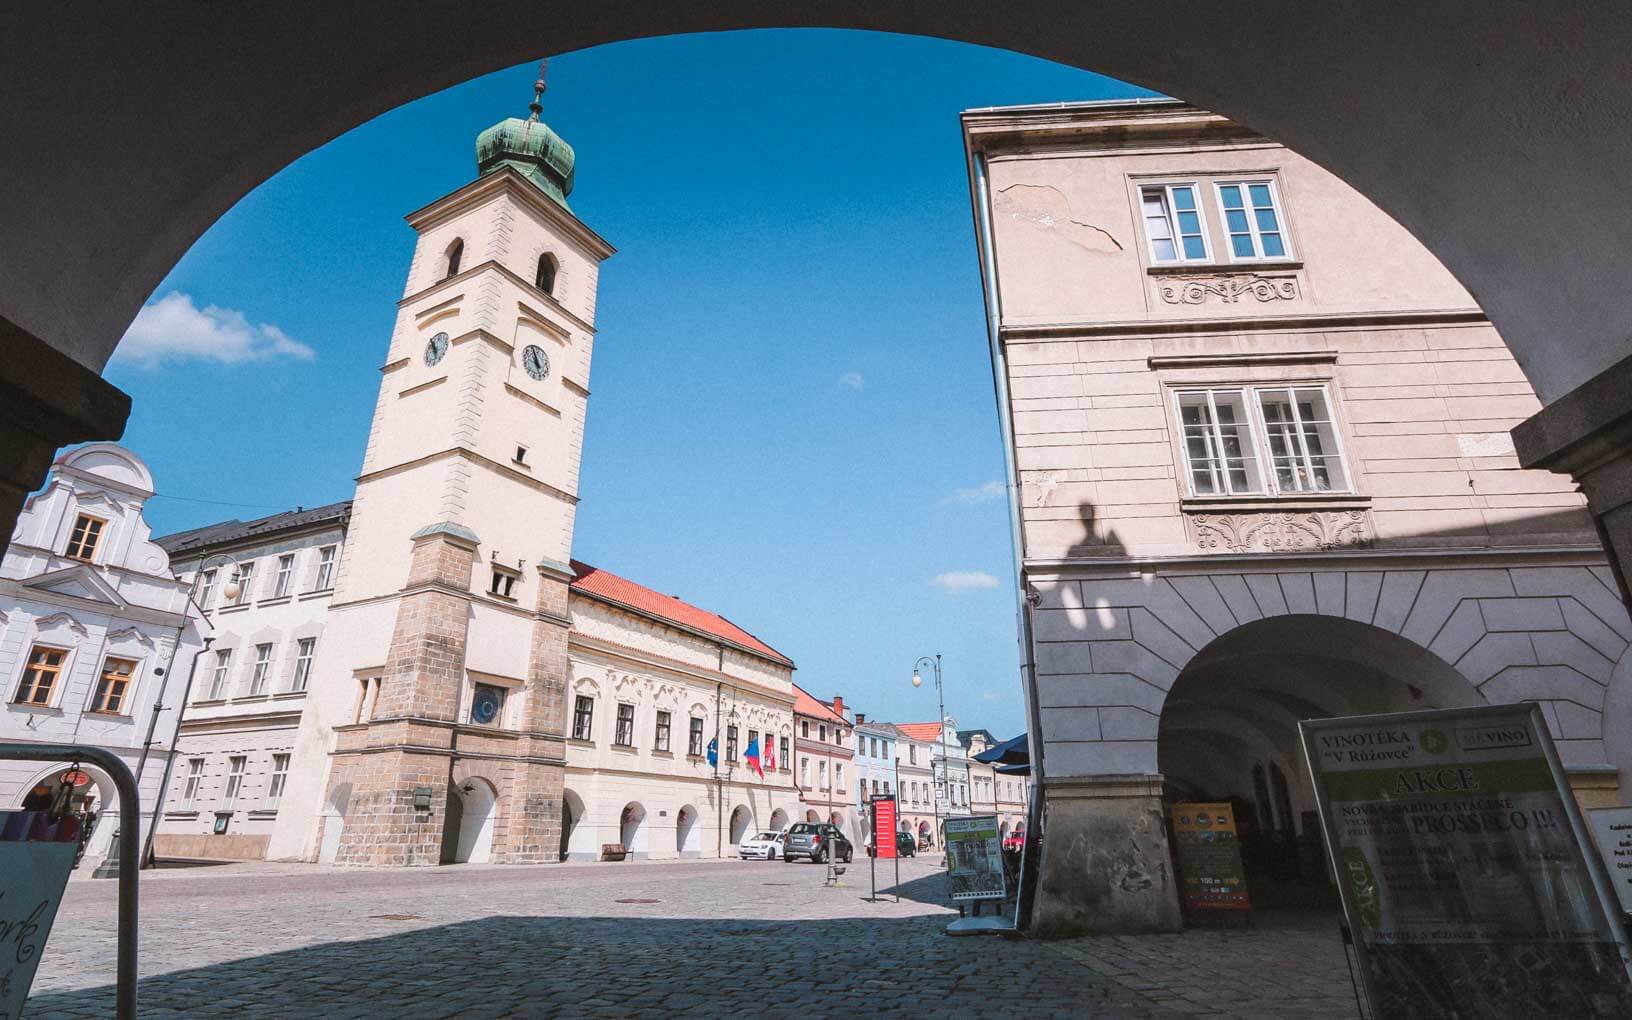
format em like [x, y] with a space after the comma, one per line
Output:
[767, 846]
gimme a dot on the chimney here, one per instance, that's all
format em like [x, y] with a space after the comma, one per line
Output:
[861, 717]
[838, 704]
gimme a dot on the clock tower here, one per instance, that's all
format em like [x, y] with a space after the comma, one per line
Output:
[435, 725]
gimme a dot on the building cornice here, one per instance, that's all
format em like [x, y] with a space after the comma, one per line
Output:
[1143, 328]
[476, 458]
[587, 644]
[451, 282]
[1336, 559]
[713, 639]
[129, 612]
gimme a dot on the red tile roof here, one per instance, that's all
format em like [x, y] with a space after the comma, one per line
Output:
[925, 731]
[624, 592]
[804, 704]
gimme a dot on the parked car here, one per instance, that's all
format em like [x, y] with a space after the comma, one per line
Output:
[817, 842]
[765, 846]
[1014, 841]
[905, 845]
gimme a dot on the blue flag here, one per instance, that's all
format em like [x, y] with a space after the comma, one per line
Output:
[714, 753]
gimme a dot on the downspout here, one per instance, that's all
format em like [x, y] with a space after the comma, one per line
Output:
[980, 187]
[170, 759]
[719, 791]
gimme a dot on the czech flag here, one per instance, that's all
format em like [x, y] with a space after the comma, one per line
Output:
[752, 757]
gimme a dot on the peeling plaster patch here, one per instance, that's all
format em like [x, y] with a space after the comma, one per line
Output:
[1049, 209]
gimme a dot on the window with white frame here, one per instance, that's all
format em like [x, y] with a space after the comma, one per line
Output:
[1173, 225]
[113, 685]
[583, 717]
[40, 675]
[325, 569]
[195, 774]
[286, 568]
[694, 737]
[87, 534]
[305, 649]
[623, 735]
[263, 665]
[280, 778]
[206, 590]
[246, 576]
[1252, 220]
[235, 778]
[218, 680]
[660, 739]
[1231, 435]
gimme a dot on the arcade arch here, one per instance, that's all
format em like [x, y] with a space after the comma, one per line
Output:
[467, 832]
[742, 819]
[688, 837]
[632, 830]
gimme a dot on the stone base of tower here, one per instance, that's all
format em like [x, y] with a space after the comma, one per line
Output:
[397, 801]
[1105, 861]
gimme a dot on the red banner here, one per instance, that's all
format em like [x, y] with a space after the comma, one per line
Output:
[884, 826]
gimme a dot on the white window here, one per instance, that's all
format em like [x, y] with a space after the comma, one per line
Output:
[286, 567]
[1229, 434]
[263, 663]
[246, 577]
[804, 773]
[304, 651]
[1252, 220]
[189, 790]
[821, 773]
[325, 569]
[280, 778]
[206, 590]
[235, 779]
[838, 776]
[223, 666]
[1173, 223]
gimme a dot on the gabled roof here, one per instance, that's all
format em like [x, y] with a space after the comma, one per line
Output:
[78, 581]
[228, 532]
[925, 731]
[620, 591]
[805, 704]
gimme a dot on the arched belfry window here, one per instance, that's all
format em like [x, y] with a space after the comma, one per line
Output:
[547, 268]
[456, 251]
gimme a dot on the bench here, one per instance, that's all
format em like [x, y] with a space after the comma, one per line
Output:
[613, 852]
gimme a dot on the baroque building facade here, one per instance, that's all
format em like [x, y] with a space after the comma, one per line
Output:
[1260, 438]
[97, 639]
[825, 771]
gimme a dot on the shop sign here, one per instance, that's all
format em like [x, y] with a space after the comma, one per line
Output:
[884, 826]
[1463, 866]
[1211, 876]
[974, 859]
[1612, 830]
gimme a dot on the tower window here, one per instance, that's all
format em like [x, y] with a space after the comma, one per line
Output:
[87, 533]
[456, 252]
[504, 581]
[521, 454]
[547, 268]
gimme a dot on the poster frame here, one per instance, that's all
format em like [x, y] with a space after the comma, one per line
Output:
[1593, 862]
[1002, 879]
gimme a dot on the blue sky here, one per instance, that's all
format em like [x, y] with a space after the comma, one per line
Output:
[792, 421]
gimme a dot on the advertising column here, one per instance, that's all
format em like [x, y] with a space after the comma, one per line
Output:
[1459, 854]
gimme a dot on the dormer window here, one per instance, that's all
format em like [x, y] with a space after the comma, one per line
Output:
[504, 582]
[456, 252]
[545, 278]
[83, 541]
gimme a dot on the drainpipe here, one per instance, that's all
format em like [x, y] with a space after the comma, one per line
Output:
[170, 760]
[980, 187]
[719, 789]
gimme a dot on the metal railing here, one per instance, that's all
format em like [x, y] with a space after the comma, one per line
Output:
[129, 847]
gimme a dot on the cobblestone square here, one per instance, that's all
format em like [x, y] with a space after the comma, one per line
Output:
[643, 939]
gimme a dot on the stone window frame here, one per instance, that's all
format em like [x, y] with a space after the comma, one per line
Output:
[583, 716]
[1268, 370]
[100, 696]
[89, 542]
[1277, 206]
[696, 735]
[60, 677]
[623, 731]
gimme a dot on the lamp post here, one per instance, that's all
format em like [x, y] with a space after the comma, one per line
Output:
[934, 662]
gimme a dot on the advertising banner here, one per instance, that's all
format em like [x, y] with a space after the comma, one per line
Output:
[1461, 860]
[974, 860]
[36, 856]
[1211, 876]
[884, 826]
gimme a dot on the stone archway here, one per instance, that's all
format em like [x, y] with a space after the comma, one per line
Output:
[632, 830]
[688, 837]
[96, 802]
[779, 820]
[467, 833]
[578, 842]
[742, 823]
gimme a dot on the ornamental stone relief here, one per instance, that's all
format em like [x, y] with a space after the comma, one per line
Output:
[1229, 289]
[1309, 531]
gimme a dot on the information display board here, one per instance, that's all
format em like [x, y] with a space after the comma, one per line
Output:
[1612, 829]
[974, 860]
[1463, 866]
[36, 856]
[1211, 876]
[884, 826]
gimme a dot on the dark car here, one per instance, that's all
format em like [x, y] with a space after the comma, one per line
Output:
[818, 843]
[905, 845]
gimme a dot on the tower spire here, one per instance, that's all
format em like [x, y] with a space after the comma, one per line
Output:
[537, 105]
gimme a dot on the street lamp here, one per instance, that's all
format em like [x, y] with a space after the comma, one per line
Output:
[934, 662]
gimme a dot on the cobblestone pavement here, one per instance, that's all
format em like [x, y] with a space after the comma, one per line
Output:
[637, 940]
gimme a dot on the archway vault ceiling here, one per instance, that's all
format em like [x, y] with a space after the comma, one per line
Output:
[1493, 131]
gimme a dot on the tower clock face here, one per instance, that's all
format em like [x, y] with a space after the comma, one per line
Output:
[535, 361]
[435, 347]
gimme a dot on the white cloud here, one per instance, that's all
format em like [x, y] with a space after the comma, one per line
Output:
[963, 580]
[852, 381]
[174, 327]
[993, 696]
[979, 494]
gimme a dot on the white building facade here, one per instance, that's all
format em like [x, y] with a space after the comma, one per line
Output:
[875, 745]
[236, 746]
[96, 638]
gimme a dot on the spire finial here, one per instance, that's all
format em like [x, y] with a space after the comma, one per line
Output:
[537, 105]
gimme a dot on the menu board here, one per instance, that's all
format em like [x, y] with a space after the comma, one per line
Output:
[974, 861]
[36, 855]
[884, 826]
[1211, 876]
[1459, 856]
